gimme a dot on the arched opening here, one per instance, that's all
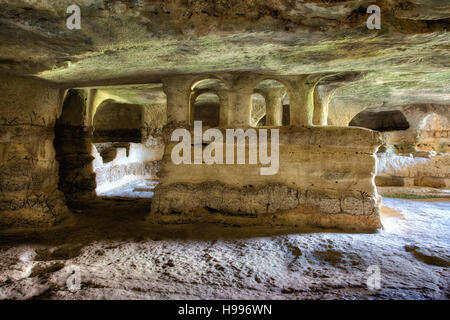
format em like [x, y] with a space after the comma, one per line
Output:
[270, 104]
[110, 149]
[208, 83]
[391, 120]
[126, 158]
[258, 113]
[207, 109]
[208, 102]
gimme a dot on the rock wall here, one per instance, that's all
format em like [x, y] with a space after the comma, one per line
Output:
[207, 112]
[124, 122]
[409, 128]
[117, 163]
[118, 122]
[390, 120]
[421, 169]
[415, 144]
[341, 112]
[29, 192]
[73, 144]
[325, 179]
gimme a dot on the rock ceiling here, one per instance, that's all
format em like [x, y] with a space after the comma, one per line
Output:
[139, 41]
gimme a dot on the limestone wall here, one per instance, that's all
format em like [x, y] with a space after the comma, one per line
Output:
[420, 127]
[118, 122]
[73, 144]
[123, 163]
[341, 112]
[421, 169]
[325, 178]
[28, 170]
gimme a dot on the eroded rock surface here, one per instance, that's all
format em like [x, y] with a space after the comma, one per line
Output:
[209, 262]
[408, 54]
[29, 191]
[402, 170]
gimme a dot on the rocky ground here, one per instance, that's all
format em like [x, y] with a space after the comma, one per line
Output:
[117, 256]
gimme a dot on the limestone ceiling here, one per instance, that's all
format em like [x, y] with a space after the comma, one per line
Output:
[269, 84]
[135, 94]
[139, 41]
[205, 84]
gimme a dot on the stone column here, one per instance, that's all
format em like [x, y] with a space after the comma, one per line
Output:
[322, 97]
[73, 143]
[29, 194]
[179, 110]
[192, 98]
[91, 107]
[274, 105]
[224, 117]
[301, 100]
[178, 97]
[240, 101]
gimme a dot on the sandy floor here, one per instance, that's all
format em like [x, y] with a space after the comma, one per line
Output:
[117, 256]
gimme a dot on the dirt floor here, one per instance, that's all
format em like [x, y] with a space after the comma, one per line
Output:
[115, 255]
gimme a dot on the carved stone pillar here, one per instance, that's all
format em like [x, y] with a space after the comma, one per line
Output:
[274, 105]
[301, 100]
[322, 97]
[224, 116]
[240, 101]
[178, 94]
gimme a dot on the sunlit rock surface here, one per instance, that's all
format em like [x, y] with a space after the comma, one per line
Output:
[422, 170]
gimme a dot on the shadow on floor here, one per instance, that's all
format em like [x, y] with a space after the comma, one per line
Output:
[125, 219]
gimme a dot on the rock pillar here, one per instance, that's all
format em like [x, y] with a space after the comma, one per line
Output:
[322, 97]
[224, 117]
[240, 101]
[178, 93]
[73, 143]
[301, 101]
[29, 192]
[274, 105]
